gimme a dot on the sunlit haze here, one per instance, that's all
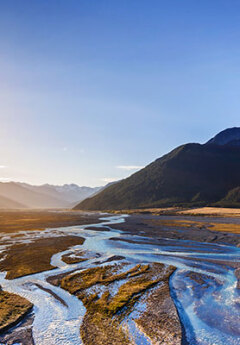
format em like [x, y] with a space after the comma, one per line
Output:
[92, 91]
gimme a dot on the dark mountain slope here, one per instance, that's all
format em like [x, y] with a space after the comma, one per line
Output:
[232, 199]
[191, 174]
[230, 136]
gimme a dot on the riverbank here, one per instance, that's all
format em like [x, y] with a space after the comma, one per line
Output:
[179, 211]
[184, 227]
[119, 280]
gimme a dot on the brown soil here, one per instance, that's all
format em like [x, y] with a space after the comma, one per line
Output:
[160, 320]
[74, 258]
[97, 228]
[21, 334]
[28, 258]
[102, 330]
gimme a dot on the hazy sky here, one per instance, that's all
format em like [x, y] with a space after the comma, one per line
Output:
[92, 90]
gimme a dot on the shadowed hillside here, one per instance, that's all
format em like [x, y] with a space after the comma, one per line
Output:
[192, 174]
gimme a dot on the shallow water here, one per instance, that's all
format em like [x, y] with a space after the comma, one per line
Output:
[209, 309]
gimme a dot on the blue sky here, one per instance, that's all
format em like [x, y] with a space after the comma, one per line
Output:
[92, 90]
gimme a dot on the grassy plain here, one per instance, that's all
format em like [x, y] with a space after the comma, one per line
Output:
[27, 258]
[190, 224]
[12, 309]
[14, 221]
[175, 211]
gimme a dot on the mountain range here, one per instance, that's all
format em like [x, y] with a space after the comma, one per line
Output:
[23, 195]
[190, 175]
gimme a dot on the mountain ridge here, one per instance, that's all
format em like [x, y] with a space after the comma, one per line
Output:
[191, 174]
[229, 136]
[24, 195]
[70, 193]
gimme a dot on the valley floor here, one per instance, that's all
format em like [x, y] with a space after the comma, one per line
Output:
[28, 220]
[202, 211]
[76, 278]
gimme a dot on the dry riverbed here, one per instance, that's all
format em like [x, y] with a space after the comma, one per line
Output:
[110, 293]
[122, 297]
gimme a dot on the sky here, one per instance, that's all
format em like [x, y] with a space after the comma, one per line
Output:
[93, 90]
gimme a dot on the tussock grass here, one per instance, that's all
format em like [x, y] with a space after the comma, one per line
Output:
[126, 296]
[102, 321]
[197, 225]
[177, 223]
[232, 228]
[211, 211]
[12, 309]
[28, 258]
[98, 275]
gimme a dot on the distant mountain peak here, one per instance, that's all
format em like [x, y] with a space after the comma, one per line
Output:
[20, 194]
[229, 136]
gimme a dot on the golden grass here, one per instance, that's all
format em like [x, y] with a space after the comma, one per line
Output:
[28, 258]
[13, 221]
[127, 294]
[155, 211]
[212, 211]
[140, 278]
[98, 275]
[12, 309]
[177, 223]
[102, 321]
[232, 228]
[202, 211]
[197, 225]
